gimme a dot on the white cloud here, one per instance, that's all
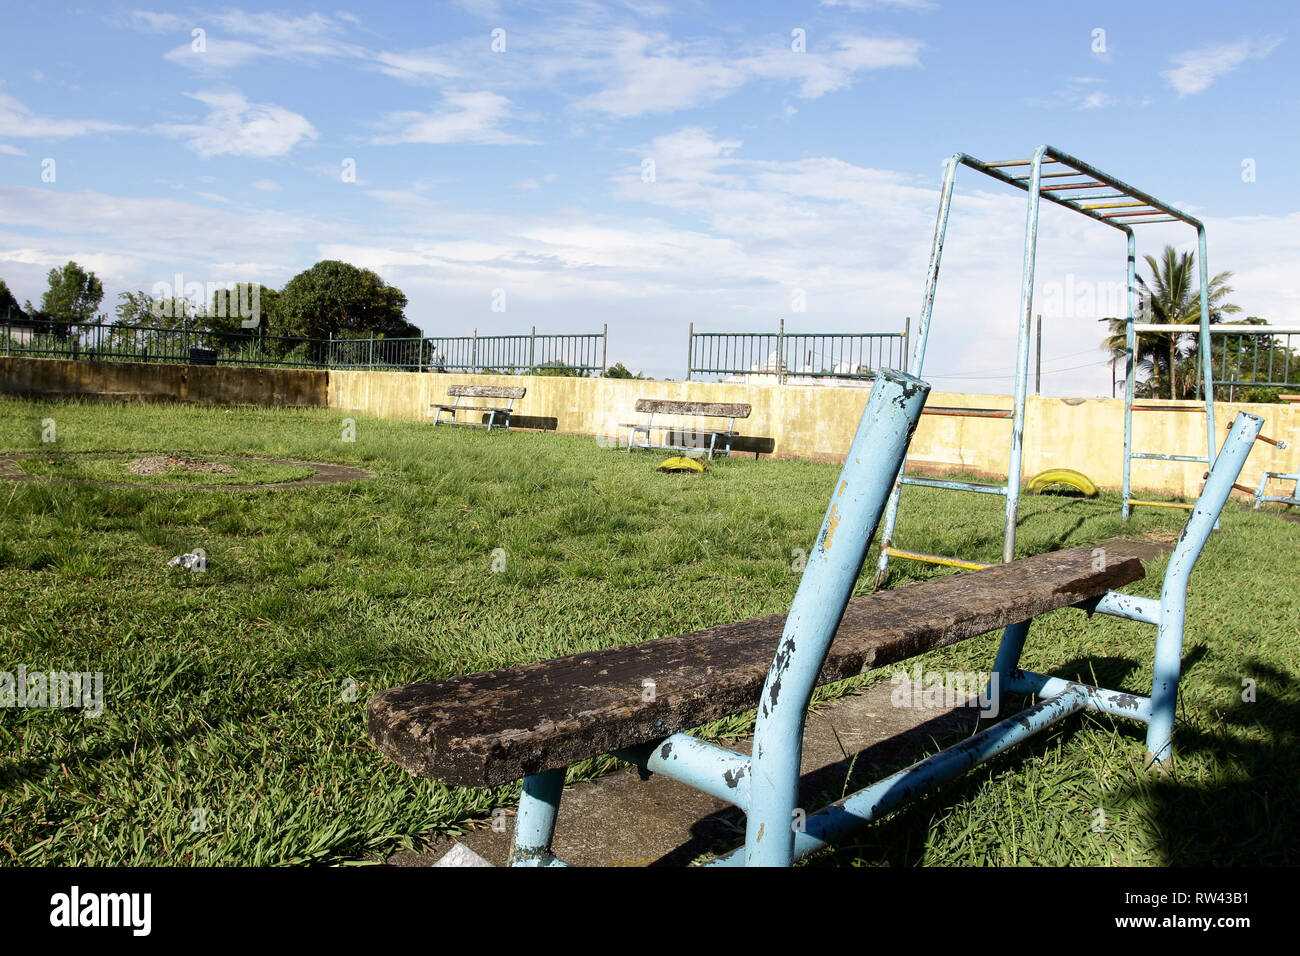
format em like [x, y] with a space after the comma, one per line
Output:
[415, 67]
[1083, 93]
[237, 127]
[834, 69]
[1196, 70]
[148, 21]
[859, 5]
[1096, 100]
[266, 185]
[640, 73]
[17, 120]
[7, 150]
[473, 117]
[308, 39]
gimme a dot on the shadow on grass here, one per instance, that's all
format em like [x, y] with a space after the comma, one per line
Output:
[1244, 821]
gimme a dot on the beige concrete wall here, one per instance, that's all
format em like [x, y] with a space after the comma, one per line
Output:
[793, 421]
[203, 384]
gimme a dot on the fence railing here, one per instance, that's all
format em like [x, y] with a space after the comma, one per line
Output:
[568, 354]
[581, 353]
[797, 356]
[1251, 357]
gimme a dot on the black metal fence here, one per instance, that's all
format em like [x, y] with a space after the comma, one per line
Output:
[561, 354]
[797, 356]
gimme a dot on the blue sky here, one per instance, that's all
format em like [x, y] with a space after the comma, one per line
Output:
[222, 156]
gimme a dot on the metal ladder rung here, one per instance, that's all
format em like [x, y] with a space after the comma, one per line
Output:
[936, 559]
[1133, 503]
[1024, 162]
[953, 485]
[1156, 456]
[956, 412]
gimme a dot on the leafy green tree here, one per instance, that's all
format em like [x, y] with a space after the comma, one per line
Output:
[73, 296]
[336, 298]
[230, 309]
[557, 369]
[9, 307]
[1172, 297]
[619, 370]
[136, 310]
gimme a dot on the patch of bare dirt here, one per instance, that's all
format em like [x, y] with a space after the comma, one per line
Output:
[165, 464]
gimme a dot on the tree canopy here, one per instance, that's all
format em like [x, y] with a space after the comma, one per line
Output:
[1168, 363]
[9, 306]
[73, 294]
[336, 298]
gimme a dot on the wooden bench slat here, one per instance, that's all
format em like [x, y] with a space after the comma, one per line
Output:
[472, 408]
[711, 409]
[683, 429]
[487, 391]
[481, 730]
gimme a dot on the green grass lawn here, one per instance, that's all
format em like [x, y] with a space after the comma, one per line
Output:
[234, 730]
[115, 469]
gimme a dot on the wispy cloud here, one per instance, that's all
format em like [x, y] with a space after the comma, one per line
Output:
[639, 73]
[859, 5]
[473, 117]
[1197, 70]
[236, 127]
[19, 121]
[1084, 93]
[236, 37]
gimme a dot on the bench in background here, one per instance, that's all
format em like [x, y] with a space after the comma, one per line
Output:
[509, 392]
[700, 436]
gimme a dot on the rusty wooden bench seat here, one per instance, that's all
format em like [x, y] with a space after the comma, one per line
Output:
[496, 727]
[701, 435]
[510, 392]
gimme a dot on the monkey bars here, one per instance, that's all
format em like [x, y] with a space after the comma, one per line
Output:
[1061, 179]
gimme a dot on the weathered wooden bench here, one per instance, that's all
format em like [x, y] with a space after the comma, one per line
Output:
[637, 701]
[693, 436]
[510, 392]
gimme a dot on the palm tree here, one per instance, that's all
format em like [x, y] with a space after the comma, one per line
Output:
[1173, 297]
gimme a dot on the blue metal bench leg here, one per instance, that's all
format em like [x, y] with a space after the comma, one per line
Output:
[1173, 594]
[535, 826]
[864, 484]
[1004, 665]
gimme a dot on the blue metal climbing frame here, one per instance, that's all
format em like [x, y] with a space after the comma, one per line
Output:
[765, 784]
[1085, 189]
[1261, 493]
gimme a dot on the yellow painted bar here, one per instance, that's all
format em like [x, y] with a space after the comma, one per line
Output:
[1161, 504]
[935, 559]
[1116, 205]
[1020, 162]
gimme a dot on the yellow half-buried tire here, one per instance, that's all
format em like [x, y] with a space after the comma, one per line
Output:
[680, 464]
[1063, 476]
